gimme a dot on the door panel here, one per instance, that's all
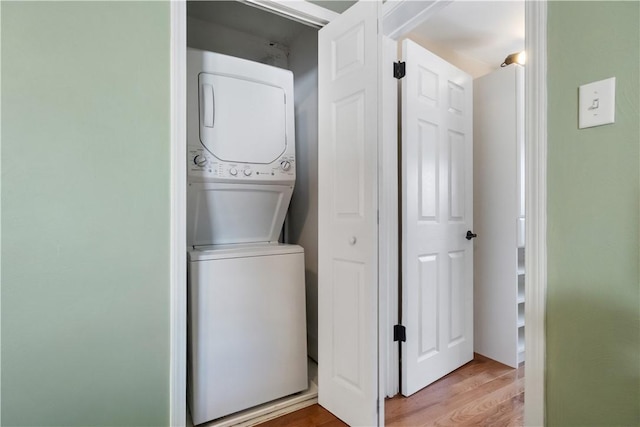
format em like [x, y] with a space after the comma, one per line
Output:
[437, 261]
[428, 308]
[348, 117]
[347, 217]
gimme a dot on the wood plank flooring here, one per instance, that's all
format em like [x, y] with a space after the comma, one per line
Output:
[481, 393]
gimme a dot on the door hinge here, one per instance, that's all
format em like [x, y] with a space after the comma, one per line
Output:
[399, 69]
[399, 333]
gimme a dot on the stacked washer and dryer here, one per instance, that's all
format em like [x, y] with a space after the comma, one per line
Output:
[247, 328]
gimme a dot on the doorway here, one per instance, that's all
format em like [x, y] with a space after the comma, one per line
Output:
[475, 37]
[535, 257]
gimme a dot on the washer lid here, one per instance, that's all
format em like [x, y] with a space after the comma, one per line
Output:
[242, 120]
[222, 213]
[213, 252]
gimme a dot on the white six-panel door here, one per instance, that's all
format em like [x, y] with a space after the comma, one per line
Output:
[347, 222]
[437, 179]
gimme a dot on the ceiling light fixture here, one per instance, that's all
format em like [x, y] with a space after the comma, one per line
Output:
[518, 58]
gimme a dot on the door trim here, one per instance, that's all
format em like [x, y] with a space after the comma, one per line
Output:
[389, 235]
[402, 16]
[301, 11]
[536, 209]
[178, 236]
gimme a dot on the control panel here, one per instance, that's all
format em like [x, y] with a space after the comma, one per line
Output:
[203, 164]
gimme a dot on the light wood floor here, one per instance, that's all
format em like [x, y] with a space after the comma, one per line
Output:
[481, 393]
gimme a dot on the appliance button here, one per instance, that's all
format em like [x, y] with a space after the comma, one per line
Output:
[285, 165]
[247, 172]
[233, 171]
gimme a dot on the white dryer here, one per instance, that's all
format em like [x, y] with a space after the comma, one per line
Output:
[240, 149]
[247, 321]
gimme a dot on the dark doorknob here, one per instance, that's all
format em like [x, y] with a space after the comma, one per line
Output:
[470, 235]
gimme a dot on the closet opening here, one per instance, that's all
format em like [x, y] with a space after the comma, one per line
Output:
[244, 33]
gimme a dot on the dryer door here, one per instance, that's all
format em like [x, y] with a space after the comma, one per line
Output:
[235, 213]
[242, 120]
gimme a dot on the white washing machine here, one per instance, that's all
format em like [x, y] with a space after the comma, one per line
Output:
[247, 321]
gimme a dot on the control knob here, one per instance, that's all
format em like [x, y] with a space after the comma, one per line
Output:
[233, 171]
[247, 172]
[285, 165]
[200, 160]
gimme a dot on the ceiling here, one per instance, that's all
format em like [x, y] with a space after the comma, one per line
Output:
[486, 31]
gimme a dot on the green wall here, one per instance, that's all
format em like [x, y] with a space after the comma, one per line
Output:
[85, 213]
[593, 311]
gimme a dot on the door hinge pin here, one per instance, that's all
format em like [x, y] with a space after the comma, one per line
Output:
[399, 333]
[399, 69]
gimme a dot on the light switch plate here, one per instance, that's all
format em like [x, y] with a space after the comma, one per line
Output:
[597, 103]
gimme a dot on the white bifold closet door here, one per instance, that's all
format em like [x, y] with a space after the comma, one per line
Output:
[437, 201]
[348, 229]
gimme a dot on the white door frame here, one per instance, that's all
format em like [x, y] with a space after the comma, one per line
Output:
[399, 18]
[536, 209]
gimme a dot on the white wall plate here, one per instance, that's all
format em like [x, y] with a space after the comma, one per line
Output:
[597, 103]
